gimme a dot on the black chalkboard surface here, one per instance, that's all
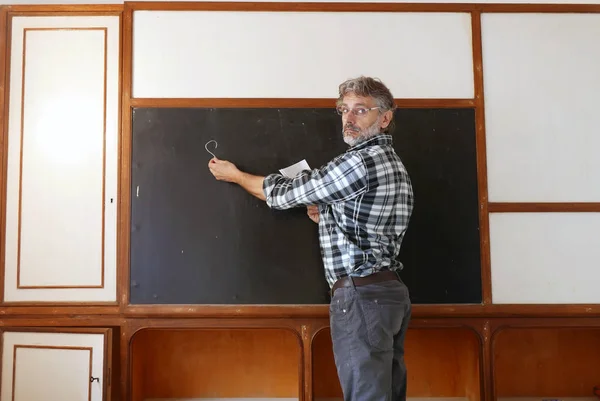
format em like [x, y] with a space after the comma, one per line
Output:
[195, 240]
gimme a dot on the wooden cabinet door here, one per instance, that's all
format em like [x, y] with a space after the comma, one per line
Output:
[56, 366]
[61, 159]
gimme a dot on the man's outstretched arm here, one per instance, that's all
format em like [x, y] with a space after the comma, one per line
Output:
[227, 171]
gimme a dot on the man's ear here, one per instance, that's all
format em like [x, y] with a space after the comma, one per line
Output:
[387, 118]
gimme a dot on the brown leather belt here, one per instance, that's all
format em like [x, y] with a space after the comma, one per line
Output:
[370, 279]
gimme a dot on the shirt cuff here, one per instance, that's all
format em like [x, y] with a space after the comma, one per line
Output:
[269, 183]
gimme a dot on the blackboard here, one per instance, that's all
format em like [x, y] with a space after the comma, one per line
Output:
[195, 240]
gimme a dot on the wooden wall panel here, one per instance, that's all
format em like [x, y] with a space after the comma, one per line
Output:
[546, 362]
[441, 362]
[215, 363]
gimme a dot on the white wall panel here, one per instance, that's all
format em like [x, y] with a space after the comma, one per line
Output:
[546, 258]
[52, 366]
[298, 55]
[541, 104]
[62, 159]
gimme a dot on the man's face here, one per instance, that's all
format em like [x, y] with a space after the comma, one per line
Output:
[358, 127]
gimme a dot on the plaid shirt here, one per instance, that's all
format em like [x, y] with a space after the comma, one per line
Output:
[365, 201]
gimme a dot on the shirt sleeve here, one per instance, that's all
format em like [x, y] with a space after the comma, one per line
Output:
[341, 179]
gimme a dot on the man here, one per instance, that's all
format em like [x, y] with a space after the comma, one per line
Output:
[362, 201]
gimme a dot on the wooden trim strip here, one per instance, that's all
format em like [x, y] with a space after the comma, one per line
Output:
[482, 184]
[104, 116]
[90, 370]
[61, 330]
[486, 369]
[54, 308]
[508, 310]
[544, 207]
[288, 102]
[63, 14]
[537, 8]
[226, 311]
[68, 28]
[125, 366]
[58, 324]
[295, 7]
[5, 38]
[124, 177]
[121, 280]
[93, 315]
[307, 332]
[362, 7]
[22, 124]
[14, 373]
[107, 366]
[64, 9]
[322, 311]
[2, 351]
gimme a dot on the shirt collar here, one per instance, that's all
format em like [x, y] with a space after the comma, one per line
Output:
[379, 139]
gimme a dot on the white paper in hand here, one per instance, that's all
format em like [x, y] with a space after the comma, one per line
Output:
[294, 169]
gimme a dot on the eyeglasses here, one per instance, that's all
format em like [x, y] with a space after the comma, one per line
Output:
[359, 111]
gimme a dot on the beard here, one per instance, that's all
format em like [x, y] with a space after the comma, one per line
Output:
[353, 135]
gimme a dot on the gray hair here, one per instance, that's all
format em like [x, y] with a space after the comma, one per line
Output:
[370, 87]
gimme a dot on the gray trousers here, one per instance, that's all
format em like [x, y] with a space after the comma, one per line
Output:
[368, 326]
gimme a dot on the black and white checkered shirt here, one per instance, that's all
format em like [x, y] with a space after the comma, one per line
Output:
[365, 201]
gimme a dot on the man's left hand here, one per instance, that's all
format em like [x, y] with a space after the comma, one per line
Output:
[313, 213]
[224, 170]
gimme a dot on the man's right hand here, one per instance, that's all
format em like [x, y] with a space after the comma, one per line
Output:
[313, 213]
[224, 170]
